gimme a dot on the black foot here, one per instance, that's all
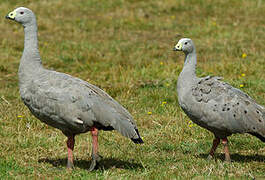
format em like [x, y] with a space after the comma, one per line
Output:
[95, 160]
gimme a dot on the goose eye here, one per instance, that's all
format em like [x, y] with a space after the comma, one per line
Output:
[21, 12]
[186, 43]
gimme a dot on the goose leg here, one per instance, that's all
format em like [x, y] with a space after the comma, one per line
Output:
[216, 142]
[95, 156]
[70, 146]
[226, 150]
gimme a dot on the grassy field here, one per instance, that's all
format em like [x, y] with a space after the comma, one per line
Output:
[125, 47]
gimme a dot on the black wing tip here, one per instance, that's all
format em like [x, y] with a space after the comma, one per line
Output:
[138, 140]
[258, 136]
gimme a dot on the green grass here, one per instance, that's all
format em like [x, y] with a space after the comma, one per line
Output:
[125, 47]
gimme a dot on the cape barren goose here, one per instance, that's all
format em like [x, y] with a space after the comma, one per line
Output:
[65, 102]
[216, 105]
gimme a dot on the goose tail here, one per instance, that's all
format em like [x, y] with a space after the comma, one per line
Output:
[139, 140]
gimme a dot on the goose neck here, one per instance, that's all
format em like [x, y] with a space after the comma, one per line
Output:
[189, 69]
[31, 40]
[187, 77]
[30, 63]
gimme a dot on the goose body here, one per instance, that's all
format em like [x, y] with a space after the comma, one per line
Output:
[74, 106]
[64, 102]
[216, 105]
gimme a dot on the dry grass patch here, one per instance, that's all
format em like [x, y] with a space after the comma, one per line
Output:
[125, 47]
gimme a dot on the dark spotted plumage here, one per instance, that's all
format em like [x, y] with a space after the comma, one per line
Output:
[216, 105]
[229, 106]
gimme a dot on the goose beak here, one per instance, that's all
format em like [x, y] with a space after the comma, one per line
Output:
[177, 47]
[11, 15]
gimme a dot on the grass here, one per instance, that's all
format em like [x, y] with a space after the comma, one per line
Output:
[125, 47]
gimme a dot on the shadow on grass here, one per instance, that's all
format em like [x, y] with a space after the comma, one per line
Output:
[104, 164]
[237, 157]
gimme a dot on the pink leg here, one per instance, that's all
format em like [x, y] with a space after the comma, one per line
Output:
[70, 145]
[95, 157]
[216, 142]
[226, 150]
[94, 133]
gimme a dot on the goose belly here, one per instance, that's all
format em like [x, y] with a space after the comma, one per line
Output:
[204, 115]
[52, 114]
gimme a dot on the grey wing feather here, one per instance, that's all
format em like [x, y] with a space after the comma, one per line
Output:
[234, 109]
[109, 114]
[74, 105]
[59, 106]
